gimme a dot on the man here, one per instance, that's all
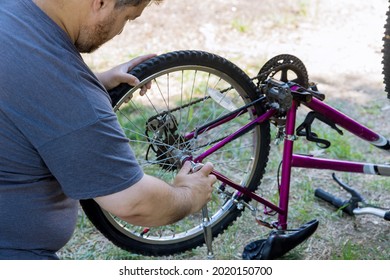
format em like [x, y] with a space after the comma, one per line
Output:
[59, 138]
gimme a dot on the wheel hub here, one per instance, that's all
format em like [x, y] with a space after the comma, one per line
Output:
[168, 146]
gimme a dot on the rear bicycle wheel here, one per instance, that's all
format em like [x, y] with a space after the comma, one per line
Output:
[189, 89]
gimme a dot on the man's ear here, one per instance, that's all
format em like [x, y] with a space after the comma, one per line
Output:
[98, 5]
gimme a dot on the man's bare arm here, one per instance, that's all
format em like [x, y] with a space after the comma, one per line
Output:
[152, 202]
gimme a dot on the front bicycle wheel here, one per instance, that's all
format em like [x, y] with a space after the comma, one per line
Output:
[190, 89]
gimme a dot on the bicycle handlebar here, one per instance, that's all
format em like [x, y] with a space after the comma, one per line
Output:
[350, 207]
[373, 211]
[335, 201]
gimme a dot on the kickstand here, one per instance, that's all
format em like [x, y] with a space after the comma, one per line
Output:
[208, 234]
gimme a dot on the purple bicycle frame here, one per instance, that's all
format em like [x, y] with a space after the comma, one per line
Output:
[291, 160]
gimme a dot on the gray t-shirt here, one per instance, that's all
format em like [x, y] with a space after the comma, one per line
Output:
[60, 140]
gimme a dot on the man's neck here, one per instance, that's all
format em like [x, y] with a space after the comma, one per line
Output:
[61, 12]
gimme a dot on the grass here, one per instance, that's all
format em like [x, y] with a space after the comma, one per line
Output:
[240, 25]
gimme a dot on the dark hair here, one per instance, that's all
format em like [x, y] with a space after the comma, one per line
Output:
[120, 3]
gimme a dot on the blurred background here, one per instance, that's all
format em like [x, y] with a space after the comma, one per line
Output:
[331, 37]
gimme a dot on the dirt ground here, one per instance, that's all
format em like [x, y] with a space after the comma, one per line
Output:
[340, 43]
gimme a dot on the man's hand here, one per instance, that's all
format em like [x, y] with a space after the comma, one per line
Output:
[119, 74]
[198, 183]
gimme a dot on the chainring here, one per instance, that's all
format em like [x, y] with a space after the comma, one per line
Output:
[285, 68]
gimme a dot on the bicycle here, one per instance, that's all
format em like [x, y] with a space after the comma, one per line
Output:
[203, 107]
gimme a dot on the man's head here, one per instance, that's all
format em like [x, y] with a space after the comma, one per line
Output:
[110, 19]
[91, 23]
[120, 3]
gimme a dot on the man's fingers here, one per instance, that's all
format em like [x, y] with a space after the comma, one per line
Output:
[134, 62]
[130, 79]
[186, 168]
[143, 90]
[207, 168]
